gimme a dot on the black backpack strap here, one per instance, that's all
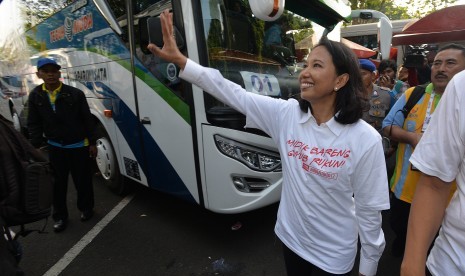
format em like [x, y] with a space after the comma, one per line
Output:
[24, 232]
[416, 95]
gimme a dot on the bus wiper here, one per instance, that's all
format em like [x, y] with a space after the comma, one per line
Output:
[283, 62]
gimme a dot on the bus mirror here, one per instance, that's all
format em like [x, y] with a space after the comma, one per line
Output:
[267, 10]
[366, 15]
[384, 37]
[150, 32]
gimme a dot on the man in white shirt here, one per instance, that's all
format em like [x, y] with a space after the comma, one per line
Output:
[440, 156]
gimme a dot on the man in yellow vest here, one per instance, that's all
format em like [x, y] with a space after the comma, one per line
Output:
[449, 60]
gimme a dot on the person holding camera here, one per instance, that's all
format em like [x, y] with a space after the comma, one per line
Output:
[408, 131]
[387, 78]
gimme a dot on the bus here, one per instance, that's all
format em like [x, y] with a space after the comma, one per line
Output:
[160, 131]
[366, 34]
[12, 98]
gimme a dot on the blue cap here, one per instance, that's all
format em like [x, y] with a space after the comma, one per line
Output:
[367, 65]
[45, 61]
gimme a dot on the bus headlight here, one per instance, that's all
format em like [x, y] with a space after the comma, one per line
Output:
[255, 158]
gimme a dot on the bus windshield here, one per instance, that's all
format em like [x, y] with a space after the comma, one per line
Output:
[260, 56]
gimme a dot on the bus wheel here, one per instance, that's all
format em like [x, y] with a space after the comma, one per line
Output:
[108, 166]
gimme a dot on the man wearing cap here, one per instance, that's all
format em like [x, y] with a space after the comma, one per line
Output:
[378, 98]
[59, 116]
[379, 101]
[408, 131]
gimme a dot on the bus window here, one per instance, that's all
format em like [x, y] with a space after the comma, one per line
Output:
[166, 73]
[368, 41]
[241, 34]
[236, 47]
[118, 7]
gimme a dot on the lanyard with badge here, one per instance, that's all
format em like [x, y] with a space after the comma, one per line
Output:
[427, 120]
[428, 112]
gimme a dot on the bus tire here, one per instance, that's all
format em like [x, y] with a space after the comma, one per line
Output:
[107, 164]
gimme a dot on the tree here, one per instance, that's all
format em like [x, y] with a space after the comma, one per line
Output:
[13, 49]
[387, 7]
[419, 8]
[38, 10]
[428, 6]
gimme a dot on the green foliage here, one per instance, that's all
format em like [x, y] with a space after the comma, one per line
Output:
[37, 11]
[387, 7]
[428, 6]
[394, 12]
[34, 44]
[301, 26]
[302, 34]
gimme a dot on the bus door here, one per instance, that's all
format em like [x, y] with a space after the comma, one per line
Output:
[164, 114]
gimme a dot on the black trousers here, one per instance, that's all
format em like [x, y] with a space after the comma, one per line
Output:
[296, 266]
[400, 211]
[77, 162]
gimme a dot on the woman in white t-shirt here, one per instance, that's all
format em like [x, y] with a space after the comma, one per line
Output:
[334, 175]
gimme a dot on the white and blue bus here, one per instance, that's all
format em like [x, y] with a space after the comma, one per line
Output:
[12, 97]
[368, 35]
[155, 128]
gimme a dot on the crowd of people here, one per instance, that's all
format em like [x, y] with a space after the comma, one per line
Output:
[339, 104]
[404, 130]
[409, 161]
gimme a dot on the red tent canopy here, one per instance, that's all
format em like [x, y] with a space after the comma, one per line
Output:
[359, 50]
[444, 25]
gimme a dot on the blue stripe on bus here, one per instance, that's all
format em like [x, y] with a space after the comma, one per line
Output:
[160, 175]
[83, 28]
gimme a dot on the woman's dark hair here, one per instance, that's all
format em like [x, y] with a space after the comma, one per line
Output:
[349, 98]
[387, 63]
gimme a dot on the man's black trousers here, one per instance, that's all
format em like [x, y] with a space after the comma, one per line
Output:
[77, 162]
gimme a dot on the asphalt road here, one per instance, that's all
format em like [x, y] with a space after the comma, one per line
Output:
[149, 233]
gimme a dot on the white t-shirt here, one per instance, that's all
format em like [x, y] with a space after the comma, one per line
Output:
[334, 176]
[441, 153]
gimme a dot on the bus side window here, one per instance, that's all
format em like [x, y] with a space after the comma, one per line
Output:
[166, 73]
[241, 34]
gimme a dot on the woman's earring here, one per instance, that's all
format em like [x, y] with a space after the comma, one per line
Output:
[335, 88]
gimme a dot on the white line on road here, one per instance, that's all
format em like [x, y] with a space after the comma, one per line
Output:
[80, 245]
